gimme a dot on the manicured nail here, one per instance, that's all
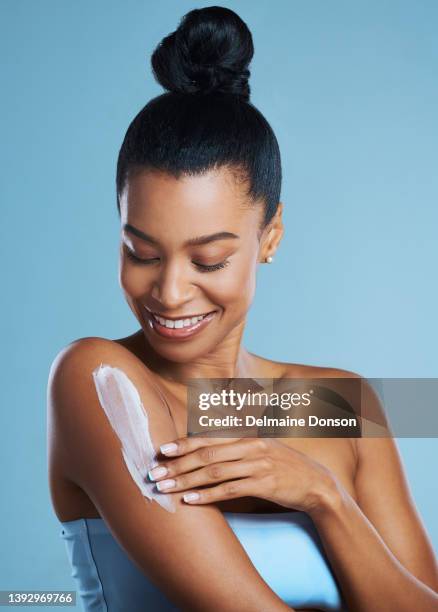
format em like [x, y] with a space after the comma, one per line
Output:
[157, 472]
[169, 449]
[189, 497]
[165, 484]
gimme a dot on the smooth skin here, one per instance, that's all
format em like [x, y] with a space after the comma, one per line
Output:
[354, 489]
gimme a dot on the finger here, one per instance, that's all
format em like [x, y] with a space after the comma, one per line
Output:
[227, 490]
[244, 448]
[217, 472]
[182, 446]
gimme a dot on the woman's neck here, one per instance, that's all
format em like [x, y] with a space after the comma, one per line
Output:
[228, 360]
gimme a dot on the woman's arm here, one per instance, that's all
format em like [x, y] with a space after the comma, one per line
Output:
[378, 547]
[191, 554]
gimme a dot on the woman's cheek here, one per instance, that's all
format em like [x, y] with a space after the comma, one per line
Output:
[133, 281]
[234, 289]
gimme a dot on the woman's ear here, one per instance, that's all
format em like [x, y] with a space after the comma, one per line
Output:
[272, 236]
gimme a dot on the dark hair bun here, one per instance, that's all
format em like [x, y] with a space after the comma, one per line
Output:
[209, 52]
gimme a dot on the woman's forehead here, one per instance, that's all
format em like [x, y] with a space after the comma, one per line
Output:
[214, 196]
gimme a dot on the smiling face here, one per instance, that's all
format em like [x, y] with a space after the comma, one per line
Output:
[188, 258]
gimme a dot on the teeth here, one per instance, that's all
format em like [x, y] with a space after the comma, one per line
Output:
[178, 323]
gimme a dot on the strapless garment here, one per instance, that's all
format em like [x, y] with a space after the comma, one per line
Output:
[285, 548]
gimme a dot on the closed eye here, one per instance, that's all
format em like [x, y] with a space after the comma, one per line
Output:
[199, 266]
[213, 267]
[136, 259]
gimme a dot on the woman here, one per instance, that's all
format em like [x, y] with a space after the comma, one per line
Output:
[233, 524]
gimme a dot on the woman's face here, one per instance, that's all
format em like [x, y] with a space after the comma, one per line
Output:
[189, 249]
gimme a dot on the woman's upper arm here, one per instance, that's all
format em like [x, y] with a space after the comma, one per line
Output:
[383, 495]
[191, 554]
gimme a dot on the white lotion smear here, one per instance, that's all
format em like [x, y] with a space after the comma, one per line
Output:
[122, 405]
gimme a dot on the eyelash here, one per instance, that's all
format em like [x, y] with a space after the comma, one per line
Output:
[202, 268]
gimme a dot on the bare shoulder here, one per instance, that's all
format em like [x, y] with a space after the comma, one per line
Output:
[73, 409]
[75, 363]
[71, 372]
[271, 368]
[368, 406]
[90, 348]
[300, 370]
[320, 371]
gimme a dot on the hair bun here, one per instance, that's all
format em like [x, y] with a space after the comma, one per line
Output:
[209, 51]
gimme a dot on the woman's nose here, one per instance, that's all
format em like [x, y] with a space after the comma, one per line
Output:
[172, 288]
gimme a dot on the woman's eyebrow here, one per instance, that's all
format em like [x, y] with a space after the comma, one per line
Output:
[191, 242]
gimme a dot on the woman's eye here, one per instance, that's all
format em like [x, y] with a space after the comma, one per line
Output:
[212, 267]
[199, 266]
[136, 259]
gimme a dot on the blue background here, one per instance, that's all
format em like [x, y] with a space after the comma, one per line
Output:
[351, 92]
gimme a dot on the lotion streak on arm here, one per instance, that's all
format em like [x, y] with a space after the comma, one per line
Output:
[123, 407]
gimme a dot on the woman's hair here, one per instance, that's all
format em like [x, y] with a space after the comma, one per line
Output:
[205, 120]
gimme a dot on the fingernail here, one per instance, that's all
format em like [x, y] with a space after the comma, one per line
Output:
[157, 472]
[168, 449]
[165, 484]
[189, 497]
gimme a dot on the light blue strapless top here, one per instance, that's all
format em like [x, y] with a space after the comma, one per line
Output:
[284, 547]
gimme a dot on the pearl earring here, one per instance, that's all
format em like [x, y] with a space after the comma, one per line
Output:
[269, 259]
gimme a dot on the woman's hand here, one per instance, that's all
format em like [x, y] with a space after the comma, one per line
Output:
[257, 467]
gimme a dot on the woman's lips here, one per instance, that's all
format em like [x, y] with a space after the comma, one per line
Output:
[179, 333]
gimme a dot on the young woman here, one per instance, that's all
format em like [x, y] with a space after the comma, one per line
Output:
[233, 525]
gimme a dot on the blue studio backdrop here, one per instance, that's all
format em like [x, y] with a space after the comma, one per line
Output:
[351, 92]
